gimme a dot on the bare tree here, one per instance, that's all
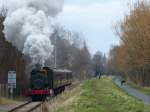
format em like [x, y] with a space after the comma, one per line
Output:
[72, 53]
[99, 63]
[132, 56]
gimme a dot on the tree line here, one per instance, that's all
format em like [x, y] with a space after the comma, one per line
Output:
[131, 58]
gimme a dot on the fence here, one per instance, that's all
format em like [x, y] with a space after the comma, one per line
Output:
[4, 90]
[7, 93]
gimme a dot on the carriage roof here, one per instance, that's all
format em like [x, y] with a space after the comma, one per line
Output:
[62, 70]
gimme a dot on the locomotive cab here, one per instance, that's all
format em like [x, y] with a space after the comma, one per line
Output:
[39, 80]
[39, 84]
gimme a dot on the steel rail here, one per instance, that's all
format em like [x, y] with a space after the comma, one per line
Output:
[23, 106]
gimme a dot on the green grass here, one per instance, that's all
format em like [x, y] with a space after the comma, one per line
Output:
[103, 96]
[145, 90]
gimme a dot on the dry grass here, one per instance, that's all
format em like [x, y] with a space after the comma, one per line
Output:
[64, 99]
[4, 101]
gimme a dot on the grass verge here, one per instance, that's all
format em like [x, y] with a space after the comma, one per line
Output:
[4, 101]
[101, 96]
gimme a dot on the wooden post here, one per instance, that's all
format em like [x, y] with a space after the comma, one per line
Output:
[3, 90]
[0, 91]
[11, 92]
[7, 91]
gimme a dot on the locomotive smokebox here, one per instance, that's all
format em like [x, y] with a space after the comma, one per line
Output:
[38, 66]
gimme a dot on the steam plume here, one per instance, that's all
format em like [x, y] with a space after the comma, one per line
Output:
[28, 28]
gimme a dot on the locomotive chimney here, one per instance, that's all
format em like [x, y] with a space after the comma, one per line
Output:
[38, 66]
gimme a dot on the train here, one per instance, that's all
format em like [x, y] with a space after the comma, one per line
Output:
[47, 82]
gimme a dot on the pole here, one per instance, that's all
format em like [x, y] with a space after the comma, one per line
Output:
[130, 5]
[55, 53]
[69, 36]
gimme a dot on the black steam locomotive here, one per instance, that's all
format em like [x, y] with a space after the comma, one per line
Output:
[48, 82]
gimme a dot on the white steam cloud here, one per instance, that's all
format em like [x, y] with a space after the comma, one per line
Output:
[27, 26]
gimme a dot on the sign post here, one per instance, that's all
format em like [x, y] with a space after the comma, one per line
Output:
[11, 81]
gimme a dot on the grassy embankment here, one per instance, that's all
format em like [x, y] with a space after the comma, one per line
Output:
[145, 90]
[98, 96]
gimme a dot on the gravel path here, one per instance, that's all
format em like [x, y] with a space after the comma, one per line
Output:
[133, 92]
[6, 108]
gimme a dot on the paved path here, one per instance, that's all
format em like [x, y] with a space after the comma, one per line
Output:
[133, 92]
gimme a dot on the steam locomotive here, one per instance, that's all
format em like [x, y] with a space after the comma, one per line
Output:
[47, 82]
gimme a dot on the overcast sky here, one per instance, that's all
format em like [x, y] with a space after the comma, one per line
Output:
[95, 19]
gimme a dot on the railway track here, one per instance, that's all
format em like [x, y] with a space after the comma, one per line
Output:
[27, 107]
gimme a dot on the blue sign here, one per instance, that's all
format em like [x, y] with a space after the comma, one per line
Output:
[12, 79]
